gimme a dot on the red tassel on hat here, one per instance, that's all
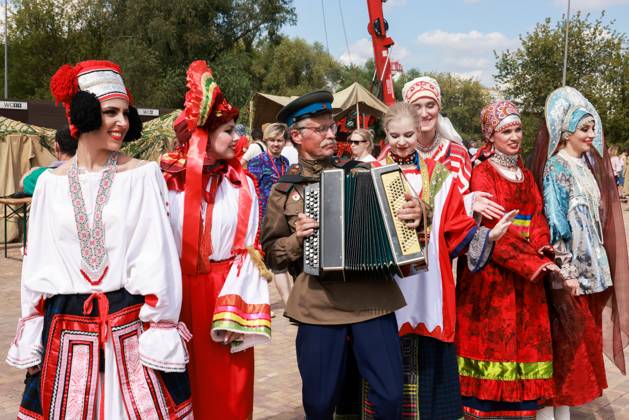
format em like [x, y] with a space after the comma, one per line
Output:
[64, 84]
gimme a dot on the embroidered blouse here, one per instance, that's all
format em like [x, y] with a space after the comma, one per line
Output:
[141, 250]
[244, 281]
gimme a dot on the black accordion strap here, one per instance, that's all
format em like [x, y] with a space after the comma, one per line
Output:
[352, 164]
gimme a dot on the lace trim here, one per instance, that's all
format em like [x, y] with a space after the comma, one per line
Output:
[479, 250]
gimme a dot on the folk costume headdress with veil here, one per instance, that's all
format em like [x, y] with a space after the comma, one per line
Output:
[565, 109]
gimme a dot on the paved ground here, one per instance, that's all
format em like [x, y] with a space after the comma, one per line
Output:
[278, 387]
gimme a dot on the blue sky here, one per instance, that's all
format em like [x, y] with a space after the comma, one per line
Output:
[449, 35]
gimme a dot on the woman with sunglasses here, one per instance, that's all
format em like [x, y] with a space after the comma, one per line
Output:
[361, 141]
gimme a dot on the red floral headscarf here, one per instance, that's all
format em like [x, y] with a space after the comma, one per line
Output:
[495, 117]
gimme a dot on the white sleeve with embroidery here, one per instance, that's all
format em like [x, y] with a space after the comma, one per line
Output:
[152, 270]
[26, 348]
[243, 304]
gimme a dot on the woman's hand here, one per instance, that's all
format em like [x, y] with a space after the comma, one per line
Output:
[572, 285]
[33, 370]
[305, 226]
[411, 211]
[485, 207]
[502, 226]
[552, 267]
[547, 251]
[231, 336]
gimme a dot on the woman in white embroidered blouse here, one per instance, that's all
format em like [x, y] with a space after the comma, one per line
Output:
[101, 283]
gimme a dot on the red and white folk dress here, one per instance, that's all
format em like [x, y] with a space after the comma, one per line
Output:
[227, 293]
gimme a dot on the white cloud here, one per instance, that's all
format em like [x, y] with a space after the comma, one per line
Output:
[362, 50]
[394, 3]
[476, 74]
[466, 40]
[590, 4]
[399, 53]
[467, 54]
[359, 52]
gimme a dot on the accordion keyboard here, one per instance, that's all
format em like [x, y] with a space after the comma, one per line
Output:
[311, 243]
[394, 190]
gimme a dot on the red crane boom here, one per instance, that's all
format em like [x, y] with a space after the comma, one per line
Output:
[381, 44]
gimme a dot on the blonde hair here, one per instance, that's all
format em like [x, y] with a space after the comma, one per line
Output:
[366, 135]
[273, 130]
[400, 110]
[613, 150]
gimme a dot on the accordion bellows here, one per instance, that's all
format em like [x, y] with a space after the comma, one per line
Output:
[359, 234]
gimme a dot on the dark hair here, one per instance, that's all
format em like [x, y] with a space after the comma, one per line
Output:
[67, 145]
[256, 134]
[85, 114]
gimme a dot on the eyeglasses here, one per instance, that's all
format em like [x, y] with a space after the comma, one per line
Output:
[322, 129]
[357, 142]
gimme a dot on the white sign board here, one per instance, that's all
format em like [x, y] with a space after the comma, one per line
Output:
[13, 105]
[148, 112]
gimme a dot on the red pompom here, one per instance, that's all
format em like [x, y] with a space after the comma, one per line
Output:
[64, 84]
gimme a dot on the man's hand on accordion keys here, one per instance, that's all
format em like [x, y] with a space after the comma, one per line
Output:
[411, 211]
[305, 226]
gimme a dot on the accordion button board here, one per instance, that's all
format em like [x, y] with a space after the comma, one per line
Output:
[311, 243]
[359, 234]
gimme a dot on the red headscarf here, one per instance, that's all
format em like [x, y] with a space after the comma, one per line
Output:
[496, 116]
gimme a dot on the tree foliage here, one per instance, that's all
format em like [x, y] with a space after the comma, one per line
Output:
[597, 66]
[293, 67]
[152, 40]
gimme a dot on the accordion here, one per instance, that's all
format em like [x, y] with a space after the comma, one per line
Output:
[359, 234]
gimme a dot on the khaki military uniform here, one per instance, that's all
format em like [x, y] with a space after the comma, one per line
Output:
[312, 301]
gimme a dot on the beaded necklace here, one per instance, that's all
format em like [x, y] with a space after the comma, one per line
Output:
[94, 259]
[504, 160]
[402, 161]
[427, 151]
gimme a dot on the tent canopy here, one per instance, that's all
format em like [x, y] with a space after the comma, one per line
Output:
[22, 147]
[351, 99]
[266, 107]
[358, 98]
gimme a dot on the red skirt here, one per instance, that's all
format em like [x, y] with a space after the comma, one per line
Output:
[221, 382]
[579, 371]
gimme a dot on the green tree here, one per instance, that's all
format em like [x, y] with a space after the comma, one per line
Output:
[152, 40]
[294, 67]
[43, 34]
[597, 66]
